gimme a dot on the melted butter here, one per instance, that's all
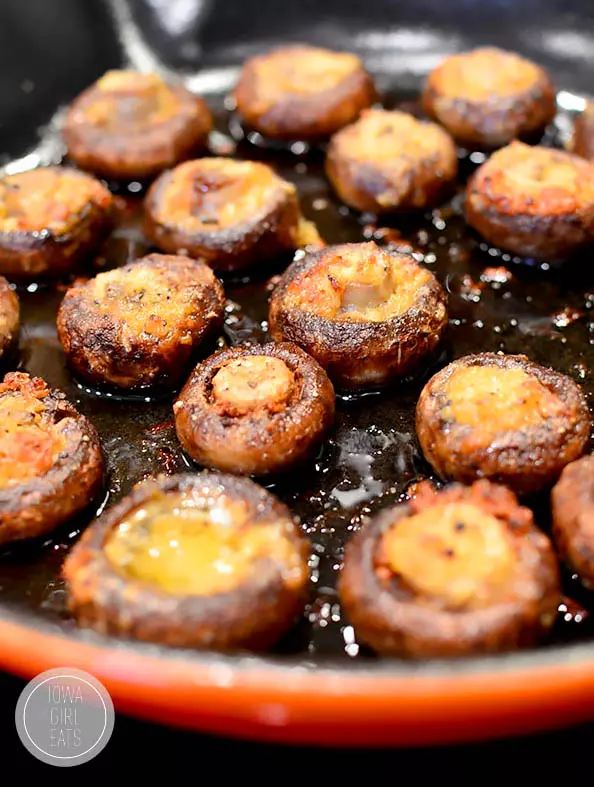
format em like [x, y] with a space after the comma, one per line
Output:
[493, 400]
[29, 444]
[209, 194]
[45, 199]
[455, 553]
[190, 549]
[254, 382]
[360, 284]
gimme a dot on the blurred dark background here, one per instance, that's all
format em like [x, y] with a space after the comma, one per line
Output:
[51, 49]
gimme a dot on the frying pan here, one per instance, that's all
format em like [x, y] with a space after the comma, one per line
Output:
[319, 686]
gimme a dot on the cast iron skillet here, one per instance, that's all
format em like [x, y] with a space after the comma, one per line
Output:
[319, 686]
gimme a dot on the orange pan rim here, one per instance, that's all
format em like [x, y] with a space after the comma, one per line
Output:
[289, 700]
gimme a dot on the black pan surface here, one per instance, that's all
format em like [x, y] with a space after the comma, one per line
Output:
[50, 51]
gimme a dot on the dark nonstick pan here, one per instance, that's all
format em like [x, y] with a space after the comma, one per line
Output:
[319, 686]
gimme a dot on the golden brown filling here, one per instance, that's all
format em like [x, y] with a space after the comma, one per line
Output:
[129, 100]
[208, 195]
[453, 553]
[300, 72]
[45, 199]
[253, 383]
[493, 400]
[29, 441]
[358, 283]
[394, 138]
[145, 301]
[550, 181]
[192, 546]
[485, 73]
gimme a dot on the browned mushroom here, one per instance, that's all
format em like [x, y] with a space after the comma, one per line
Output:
[229, 213]
[51, 464]
[130, 125]
[9, 319]
[488, 97]
[451, 573]
[206, 561]
[368, 315]
[138, 326]
[582, 140]
[255, 410]
[390, 161]
[302, 92]
[50, 218]
[533, 201]
[572, 501]
[504, 418]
